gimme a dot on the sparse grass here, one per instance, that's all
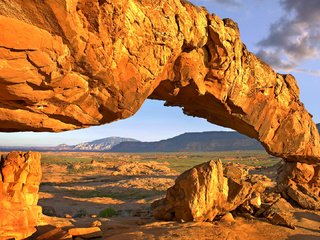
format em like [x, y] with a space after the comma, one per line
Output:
[177, 161]
[81, 213]
[108, 212]
[63, 159]
[83, 168]
[183, 161]
[129, 194]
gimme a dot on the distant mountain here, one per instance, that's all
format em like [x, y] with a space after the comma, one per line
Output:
[193, 142]
[96, 145]
[187, 142]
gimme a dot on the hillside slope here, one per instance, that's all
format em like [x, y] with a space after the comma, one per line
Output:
[103, 144]
[193, 142]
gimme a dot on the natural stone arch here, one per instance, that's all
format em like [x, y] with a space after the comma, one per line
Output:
[92, 62]
[74, 64]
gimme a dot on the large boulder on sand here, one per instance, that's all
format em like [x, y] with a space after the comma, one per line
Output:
[201, 193]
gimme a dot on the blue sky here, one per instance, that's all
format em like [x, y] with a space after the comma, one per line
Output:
[285, 33]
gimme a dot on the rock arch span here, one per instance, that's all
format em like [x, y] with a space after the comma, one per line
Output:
[74, 64]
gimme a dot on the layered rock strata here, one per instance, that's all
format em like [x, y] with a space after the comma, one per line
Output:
[73, 64]
[19, 185]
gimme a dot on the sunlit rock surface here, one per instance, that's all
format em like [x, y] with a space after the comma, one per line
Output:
[202, 193]
[19, 185]
[73, 64]
[301, 183]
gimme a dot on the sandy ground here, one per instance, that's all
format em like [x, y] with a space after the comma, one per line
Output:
[75, 195]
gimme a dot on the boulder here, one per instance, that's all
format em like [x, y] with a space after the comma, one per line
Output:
[300, 182]
[20, 176]
[201, 193]
[235, 171]
[279, 213]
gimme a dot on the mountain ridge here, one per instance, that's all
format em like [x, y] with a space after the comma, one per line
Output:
[193, 142]
[207, 141]
[102, 144]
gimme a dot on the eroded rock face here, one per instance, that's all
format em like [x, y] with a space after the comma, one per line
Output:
[19, 186]
[202, 193]
[74, 64]
[301, 183]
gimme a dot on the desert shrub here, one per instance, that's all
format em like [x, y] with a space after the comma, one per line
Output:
[79, 168]
[108, 212]
[80, 213]
[49, 211]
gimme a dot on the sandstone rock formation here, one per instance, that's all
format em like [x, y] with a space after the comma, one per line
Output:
[20, 175]
[279, 213]
[208, 191]
[74, 64]
[202, 193]
[49, 232]
[301, 183]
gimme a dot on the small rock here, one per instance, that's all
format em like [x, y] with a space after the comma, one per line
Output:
[49, 233]
[90, 232]
[262, 209]
[245, 208]
[271, 197]
[67, 216]
[96, 223]
[93, 215]
[93, 162]
[255, 201]
[228, 218]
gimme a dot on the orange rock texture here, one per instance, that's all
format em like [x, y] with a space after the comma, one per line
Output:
[19, 185]
[74, 64]
[203, 192]
[301, 183]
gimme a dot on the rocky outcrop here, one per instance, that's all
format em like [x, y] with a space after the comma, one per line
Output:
[203, 192]
[74, 64]
[19, 186]
[301, 183]
[210, 192]
[279, 213]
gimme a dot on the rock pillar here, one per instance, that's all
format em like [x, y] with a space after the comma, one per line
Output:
[20, 176]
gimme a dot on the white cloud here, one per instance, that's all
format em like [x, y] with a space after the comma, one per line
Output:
[295, 37]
